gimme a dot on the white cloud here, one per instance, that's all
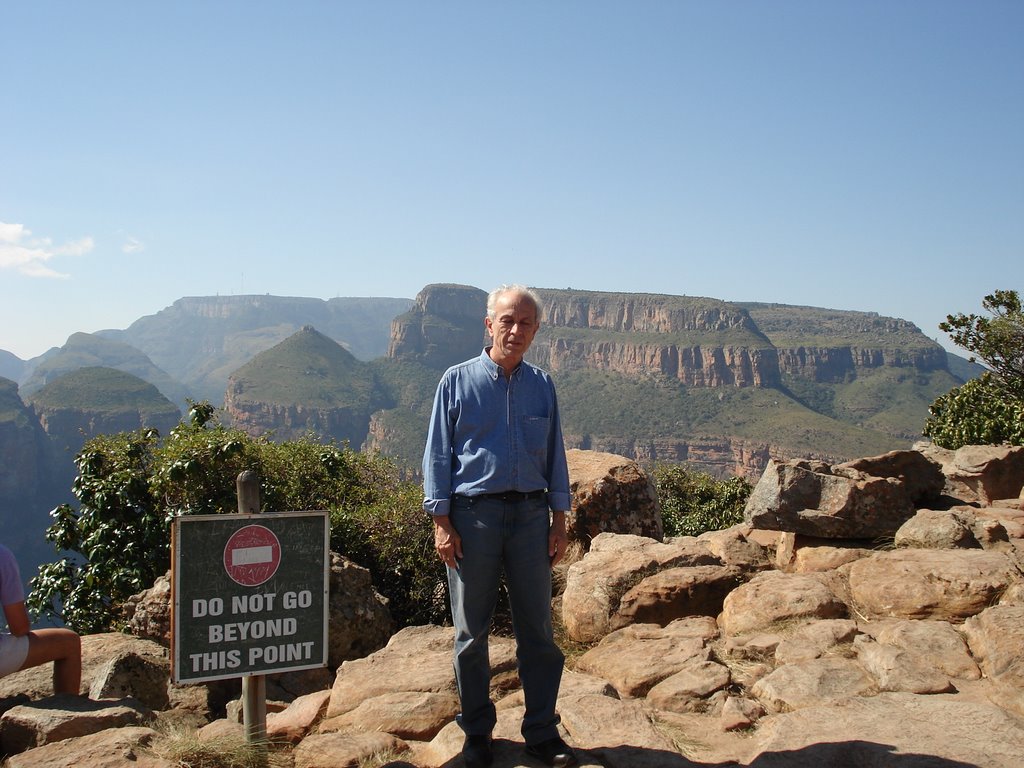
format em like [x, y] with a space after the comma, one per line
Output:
[21, 252]
[132, 245]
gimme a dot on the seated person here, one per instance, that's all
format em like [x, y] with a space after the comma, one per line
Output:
[23, 647]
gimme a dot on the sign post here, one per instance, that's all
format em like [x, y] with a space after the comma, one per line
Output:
[250, 597]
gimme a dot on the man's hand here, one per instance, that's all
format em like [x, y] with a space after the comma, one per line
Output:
[447, 541]
[558, 539]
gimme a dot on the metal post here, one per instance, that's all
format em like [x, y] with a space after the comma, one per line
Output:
[254, 687]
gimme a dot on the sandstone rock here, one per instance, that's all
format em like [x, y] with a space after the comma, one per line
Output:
[921, 476]
[676, 593]
[987, 472]
[930, 529]
[814, 640]
[874, 731]
[811, 683]
[808, 554]
[738, 545]
[1011, 518]
[929, 584]
[817, 500]
[597, 722]
[898, 670]
[415, 659]
[292, 724]
[638, 657]
[772, 597]
[97, 651]
[345, 749]
[610, 494]
[739, 713]
[132, 674]
[65, 717]
[148, 613]
[596, 584]
[824, 559]
[359, 619]
[937, 645]
[226, 730]
[111, 748]
[416, 715]
[573, 684]
[689, 689]
[996, 636]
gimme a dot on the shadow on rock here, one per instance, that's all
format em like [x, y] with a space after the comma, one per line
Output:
[852, 754]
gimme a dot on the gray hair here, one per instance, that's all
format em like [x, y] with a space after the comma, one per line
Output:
[529, 293]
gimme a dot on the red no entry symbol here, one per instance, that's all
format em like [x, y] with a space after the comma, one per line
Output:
[252, 555]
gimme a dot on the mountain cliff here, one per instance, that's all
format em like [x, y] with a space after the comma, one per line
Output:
[86, 350]
[98, 401]
[307, 384]
[202, 340]
[721, 385]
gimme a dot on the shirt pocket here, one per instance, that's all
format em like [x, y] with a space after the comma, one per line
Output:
[535, 436]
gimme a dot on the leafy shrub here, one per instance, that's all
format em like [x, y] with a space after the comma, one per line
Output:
[976, 413]
[695, 502]
[131, 485]
[989, 409]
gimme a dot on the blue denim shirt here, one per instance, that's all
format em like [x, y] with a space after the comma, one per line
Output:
[489, 433]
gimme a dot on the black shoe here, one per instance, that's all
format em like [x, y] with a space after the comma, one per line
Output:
[476, 752]
[553, 752]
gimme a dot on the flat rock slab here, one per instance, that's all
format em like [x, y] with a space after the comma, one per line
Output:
[891, 729]
[113, 748]
[930, 584]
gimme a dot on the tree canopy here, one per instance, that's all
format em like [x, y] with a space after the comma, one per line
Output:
[989, 409]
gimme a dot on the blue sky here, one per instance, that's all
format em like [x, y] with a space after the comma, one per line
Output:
[851, 155]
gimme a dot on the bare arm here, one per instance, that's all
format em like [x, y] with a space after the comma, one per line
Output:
[17, 619]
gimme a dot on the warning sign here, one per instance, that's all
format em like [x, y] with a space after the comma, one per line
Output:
[250, 594]
[252, 555]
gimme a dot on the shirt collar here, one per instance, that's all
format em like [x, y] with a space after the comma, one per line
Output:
[494, 370]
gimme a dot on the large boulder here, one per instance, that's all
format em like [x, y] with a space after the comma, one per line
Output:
[930, 583]
[129, 745]
[815, 499]
[66, 717]
[617, 565]
[100, 667]
[890, 729]
[980, 474]
[610, 494]
[996, 636]
[359, 621]
[636, 658]
[773, 598]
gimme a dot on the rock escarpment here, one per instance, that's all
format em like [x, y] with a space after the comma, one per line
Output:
[307, 384]
[443, 327]
[735, 384]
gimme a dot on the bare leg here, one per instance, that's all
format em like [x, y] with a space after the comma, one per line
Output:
[64, 648]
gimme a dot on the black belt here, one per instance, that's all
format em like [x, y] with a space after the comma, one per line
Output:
[513, 495]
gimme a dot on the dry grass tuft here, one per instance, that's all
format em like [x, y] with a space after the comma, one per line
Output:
[183, 747]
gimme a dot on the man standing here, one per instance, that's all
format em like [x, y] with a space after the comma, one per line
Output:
[496, 483]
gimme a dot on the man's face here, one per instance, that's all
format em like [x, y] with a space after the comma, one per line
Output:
[512, 329]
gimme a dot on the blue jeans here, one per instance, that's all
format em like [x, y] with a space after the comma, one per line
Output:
[512, 537]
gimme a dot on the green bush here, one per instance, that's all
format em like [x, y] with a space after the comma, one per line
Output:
[131, 485]
[695, 502]
[990, 409]
[976, 413]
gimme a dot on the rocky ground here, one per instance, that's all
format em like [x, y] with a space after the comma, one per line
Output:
[794, 639]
